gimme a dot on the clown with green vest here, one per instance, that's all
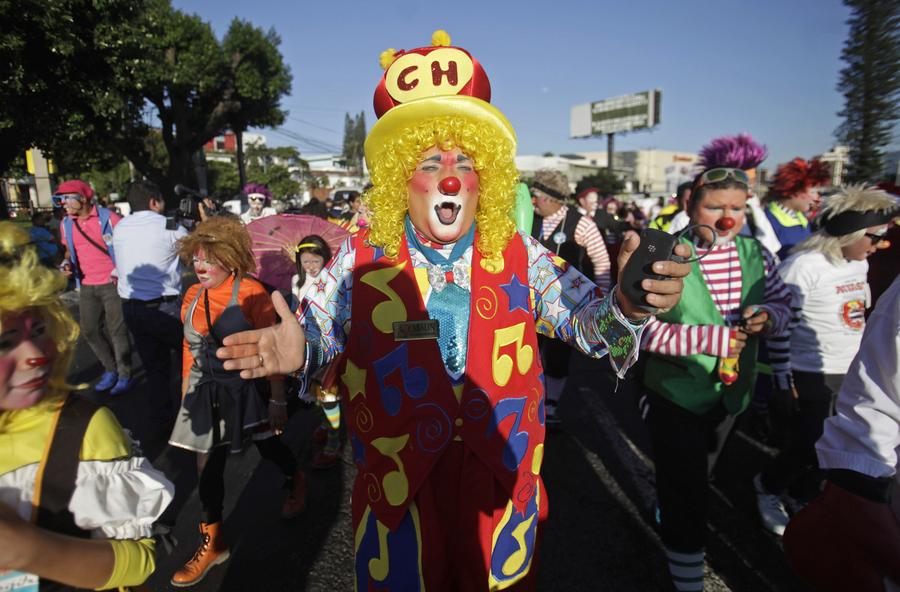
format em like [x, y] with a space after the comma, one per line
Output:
[701, 367]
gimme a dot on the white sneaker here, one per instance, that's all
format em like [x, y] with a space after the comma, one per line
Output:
[792, 504]
[771, 509]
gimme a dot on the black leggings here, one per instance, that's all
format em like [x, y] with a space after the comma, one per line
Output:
[686, 447]
[212, 479]
[796, 466]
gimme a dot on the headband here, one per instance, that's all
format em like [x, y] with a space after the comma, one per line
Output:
[853, 220]
[551, 192]
[306, 246]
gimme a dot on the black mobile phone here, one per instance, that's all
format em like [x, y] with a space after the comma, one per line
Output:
[656, 245]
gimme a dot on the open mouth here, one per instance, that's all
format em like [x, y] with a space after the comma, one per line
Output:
[447, 211]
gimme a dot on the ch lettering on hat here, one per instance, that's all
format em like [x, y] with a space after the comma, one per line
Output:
[440, 72]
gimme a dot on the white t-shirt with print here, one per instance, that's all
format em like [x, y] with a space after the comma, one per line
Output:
[831, 302]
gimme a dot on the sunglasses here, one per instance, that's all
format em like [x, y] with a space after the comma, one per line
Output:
[722, 174]
[259, 199]
[59, 200]
[876, 238]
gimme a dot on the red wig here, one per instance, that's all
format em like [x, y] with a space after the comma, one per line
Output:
[798, 176]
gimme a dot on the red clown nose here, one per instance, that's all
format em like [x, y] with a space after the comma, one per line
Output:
[449, 185]
[726, 223]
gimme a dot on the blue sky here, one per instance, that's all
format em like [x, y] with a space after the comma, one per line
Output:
[767, 67]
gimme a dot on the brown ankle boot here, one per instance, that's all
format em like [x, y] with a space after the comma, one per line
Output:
[212, 552]
[295, 502]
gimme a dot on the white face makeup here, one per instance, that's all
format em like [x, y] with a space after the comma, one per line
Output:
[257, 201]
[209, 273]
[443, 194]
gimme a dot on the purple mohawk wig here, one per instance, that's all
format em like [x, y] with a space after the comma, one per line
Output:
[257, 188]
[739, 152]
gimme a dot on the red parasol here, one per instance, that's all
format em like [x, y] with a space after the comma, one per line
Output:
[274, 239]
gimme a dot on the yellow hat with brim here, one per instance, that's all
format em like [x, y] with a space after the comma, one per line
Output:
[412, 114]
[429, 82]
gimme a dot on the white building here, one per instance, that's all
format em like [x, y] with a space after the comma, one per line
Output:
[573, 166]
[837, 159]
[650, 170]
[334, 171]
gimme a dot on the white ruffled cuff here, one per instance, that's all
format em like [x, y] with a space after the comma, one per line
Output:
[119, 499]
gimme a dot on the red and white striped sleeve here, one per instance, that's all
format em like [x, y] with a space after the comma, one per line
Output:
[673, 339]
[587, 235]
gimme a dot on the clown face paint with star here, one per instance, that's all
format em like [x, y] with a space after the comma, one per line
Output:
[443, 194]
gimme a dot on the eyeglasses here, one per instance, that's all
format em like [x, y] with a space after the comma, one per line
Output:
[59, 200]
[721, 174]
[876, 238]
[257, 198]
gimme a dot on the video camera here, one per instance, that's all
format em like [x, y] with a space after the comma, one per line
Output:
[189, 206]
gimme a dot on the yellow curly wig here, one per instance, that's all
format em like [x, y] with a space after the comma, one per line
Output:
[494, 161]
[24, 284]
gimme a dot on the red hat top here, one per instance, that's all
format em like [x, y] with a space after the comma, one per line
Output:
[435, 71]
[76, 186]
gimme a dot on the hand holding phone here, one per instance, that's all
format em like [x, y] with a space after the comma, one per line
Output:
[655, 246]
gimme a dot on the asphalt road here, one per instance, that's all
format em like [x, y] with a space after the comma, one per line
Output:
[598, 471]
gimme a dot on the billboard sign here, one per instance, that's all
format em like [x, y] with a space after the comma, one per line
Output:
[619, 114]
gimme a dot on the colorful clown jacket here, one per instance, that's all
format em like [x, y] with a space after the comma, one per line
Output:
[406, 401]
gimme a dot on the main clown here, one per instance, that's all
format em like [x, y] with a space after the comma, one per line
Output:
[440, 371]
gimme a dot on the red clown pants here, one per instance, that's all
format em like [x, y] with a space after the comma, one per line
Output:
[460, 533]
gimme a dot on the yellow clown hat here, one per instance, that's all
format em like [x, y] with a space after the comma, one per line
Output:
[426, 82]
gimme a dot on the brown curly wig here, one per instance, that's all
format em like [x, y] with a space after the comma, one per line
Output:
[224, 240]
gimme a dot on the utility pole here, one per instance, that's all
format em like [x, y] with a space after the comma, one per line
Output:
[610, 144]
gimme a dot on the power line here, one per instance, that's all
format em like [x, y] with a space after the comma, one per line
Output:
[307, 141]
[311, 124]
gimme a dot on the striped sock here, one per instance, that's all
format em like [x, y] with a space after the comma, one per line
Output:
[333, 414]
[686, 570]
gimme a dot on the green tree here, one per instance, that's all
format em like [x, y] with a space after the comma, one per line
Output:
[359, 133]
[870, 83]
[605, 181]
[277, 168]
[110, 180]
[354, 141]
[349, 152]
[223, 179]
[259, 79]
[57, 58]
[154, 73]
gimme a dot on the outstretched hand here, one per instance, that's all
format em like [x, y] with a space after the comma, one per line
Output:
[279, 349]
[662, 294]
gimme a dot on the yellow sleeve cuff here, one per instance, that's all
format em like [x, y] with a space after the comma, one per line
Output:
[135, 562]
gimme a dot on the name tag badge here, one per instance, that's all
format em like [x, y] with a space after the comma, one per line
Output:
[415, 330]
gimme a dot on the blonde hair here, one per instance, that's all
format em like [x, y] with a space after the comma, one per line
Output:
[26, 284]
[552, 179]
[224, 240]
[493, 157]
[858, 198]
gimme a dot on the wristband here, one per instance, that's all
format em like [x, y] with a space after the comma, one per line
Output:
[278, 403]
